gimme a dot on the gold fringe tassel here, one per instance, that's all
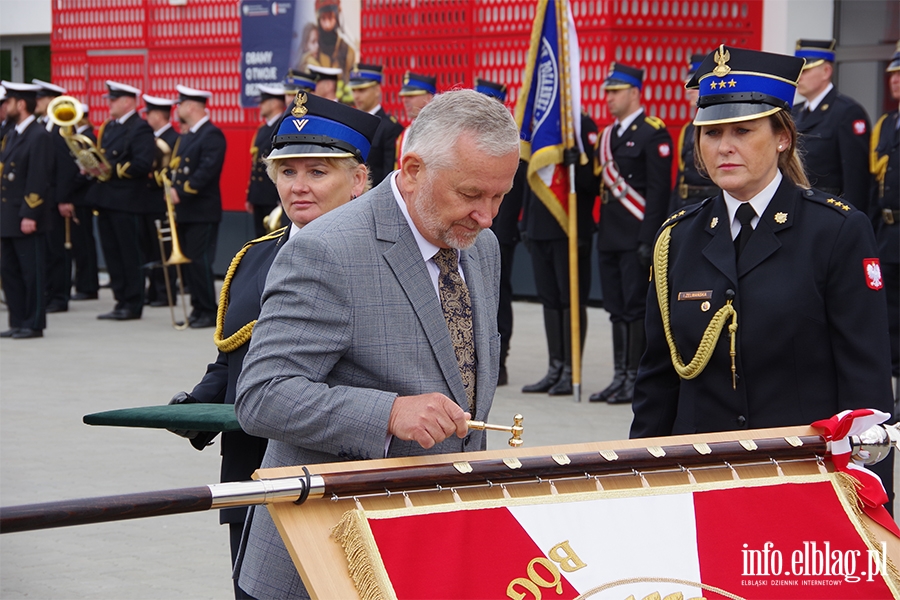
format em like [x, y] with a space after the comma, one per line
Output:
[363, 561]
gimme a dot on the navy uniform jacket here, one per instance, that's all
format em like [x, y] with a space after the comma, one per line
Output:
[241, 453]
[26, 179]
[834, 143]
[537, 222]
[644, 157]
[812, 334]
[887, 191]
[383, 154]
[689, 179]
[506, 224]
[71, 186]
[261, 191]
[130, 149]
[195, 170]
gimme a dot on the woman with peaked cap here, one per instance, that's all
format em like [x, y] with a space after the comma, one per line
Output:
[315, 172]
[795, 271]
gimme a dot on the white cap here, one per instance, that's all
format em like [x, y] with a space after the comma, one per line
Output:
[187, 93]
[273, 89]
[157, 102]
[117, 89]
[85, 108]
[325, 72]
[2, 93]
[49, 86]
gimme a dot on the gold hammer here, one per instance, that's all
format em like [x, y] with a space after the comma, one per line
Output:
[516, 430]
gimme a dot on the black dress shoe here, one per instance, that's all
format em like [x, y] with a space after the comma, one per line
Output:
[158, 303]
[85, 296]
[202, 322]
[8, 333]
[57, 307]
[24, 334]
[119, 314]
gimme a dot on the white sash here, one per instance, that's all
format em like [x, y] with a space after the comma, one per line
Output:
[612, 179]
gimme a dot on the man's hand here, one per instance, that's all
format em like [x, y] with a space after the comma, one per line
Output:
[28, 226]
[427, 419]
[173, 196]
[66, 210]
[248, 207]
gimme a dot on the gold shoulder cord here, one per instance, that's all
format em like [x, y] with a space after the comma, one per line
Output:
[877, 165]
[713, 330]
[242, 335]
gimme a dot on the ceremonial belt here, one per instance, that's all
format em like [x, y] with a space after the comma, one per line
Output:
[685, 191]
[612, 179]
[890, 217]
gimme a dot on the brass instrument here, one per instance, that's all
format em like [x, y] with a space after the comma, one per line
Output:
[176, 257]
[66, 112]
[273, 219]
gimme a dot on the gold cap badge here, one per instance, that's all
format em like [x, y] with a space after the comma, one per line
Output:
[299, 109]
[721, 57]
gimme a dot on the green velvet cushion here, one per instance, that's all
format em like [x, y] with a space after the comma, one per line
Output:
[189, 417]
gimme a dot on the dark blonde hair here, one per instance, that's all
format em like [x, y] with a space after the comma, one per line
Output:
[789, 161]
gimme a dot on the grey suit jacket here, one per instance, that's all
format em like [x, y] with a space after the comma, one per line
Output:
[350, 320]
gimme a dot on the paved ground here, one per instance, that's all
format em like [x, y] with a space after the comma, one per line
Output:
[84, 366]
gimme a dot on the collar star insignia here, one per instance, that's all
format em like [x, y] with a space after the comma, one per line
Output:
[299, 110]
[714, 222]
[830, 201]
[721, 57]
[781, 218]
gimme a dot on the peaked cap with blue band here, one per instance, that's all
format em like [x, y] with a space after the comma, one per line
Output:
[622, 76]
[489, 88]
[415, 84]
[815, 52]
[693, 65]
[295, 82]
[895, 61]
[737, 84]
[316, 127]
[366, 76]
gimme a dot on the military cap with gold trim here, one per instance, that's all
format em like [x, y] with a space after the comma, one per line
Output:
[188, 93]
[693, 65]
[415, 84]
[316, 127]
[22, 91]
[489, 88]
[296, 81]
[737, 84]
[117, 89]
[622, 76]
[48, 90]
[270, 91]
[895, 61]
[365, 76]
[322, 73]
[815, 52]
[157, 103]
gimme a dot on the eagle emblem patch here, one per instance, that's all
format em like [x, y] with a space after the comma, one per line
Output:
[873, 273]
[859, 127]
[664, 150]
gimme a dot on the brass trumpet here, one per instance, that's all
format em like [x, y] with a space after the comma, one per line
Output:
[176, 257]
[273, 219]
[66, 112]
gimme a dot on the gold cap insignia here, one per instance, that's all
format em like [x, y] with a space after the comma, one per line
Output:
[714, 222]
[405, 78]
[721, 57]
[781, 218]
[299, 110]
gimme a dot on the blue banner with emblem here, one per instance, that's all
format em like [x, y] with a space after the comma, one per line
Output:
[267, 33]
[549, 98]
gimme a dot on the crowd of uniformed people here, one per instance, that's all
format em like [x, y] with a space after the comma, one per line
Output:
[806, 198]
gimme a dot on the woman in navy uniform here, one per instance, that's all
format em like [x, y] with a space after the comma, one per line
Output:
[795, 269]
[313, 175]
[26, 160]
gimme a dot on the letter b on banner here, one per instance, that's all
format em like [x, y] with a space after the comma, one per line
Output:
[561, 555]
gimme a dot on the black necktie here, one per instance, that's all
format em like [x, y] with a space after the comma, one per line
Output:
[745, 214]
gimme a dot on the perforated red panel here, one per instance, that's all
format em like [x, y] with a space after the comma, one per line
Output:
[98, 24]
[199, 23]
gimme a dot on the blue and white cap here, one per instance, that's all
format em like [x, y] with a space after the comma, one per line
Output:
[737, 84]
[366, 76]
[316, 127]
[815, 52]
[622, 76]
[895, 61]
[416, 84]
[490, 88]
[296, 81]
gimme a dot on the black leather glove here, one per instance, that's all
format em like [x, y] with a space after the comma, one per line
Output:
[198, 439]
[644, 255]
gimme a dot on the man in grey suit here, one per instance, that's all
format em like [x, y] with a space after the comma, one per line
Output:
[352, 357]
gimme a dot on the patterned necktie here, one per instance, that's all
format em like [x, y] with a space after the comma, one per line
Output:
[458, 312]
[745, 214]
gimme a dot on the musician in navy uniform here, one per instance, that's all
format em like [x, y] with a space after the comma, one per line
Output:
[127, 142]
[84, 244]
[886, 200]
[195, 170]
[834, 129]
[158, 112]
[548, 246]
[301, 171]
[262, 197]
[5, 122]
[690, 185]
[365, 83]
[634, 159]
[25, 175]
[794, 268]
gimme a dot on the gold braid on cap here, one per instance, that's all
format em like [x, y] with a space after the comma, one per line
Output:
[242, 335]
[713, 330]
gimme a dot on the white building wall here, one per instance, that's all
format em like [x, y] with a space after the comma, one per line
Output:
[786, 21]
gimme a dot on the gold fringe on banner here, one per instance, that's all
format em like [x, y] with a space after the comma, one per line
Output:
[364, 561]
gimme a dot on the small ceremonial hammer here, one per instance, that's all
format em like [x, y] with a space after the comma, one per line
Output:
[516, 430]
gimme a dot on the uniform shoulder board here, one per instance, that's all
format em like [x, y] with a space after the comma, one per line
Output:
[838, 204]
[393, 118]
[655, 122]
[685, 212]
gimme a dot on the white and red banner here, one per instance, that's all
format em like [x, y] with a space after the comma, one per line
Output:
[750, 539]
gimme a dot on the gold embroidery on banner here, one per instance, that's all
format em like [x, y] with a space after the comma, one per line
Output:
[656, 451]
[749, 445]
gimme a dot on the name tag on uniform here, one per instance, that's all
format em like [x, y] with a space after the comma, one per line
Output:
[701, 295]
